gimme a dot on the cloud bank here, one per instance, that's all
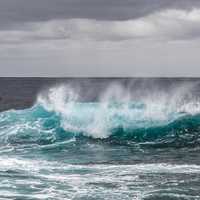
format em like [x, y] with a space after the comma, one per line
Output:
[165, 25]
[99, 37]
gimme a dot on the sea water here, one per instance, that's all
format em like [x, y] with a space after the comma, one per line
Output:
[116, 147]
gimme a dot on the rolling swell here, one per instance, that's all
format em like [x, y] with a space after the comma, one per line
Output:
[126, 124]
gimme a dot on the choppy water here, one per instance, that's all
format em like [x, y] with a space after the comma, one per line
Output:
[117, 147]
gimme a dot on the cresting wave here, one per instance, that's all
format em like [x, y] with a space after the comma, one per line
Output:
[60, 115]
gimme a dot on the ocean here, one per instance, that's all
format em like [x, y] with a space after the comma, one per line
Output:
[100, 138]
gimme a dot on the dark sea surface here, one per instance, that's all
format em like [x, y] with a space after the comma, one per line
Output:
[100, 138]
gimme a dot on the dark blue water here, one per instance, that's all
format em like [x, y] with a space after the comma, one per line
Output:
[123, 144]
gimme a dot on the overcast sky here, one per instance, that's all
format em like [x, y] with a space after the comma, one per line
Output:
[99, 38]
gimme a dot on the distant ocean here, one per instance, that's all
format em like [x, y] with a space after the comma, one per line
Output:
[100, 138]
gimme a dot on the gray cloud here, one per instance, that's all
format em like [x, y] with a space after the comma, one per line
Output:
[166, 25]
[99, 37]
[26, 20]
[19, 11]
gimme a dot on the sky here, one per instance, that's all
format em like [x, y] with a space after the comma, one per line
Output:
[100, 38]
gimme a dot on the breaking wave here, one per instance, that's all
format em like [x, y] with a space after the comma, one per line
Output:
[60, 115]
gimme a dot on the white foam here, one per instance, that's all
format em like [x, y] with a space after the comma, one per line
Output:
[78, 179]
[98, 120]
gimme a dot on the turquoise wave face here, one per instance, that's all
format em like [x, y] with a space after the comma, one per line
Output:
[121, 123]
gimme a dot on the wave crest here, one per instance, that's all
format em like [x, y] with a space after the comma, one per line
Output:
[61, 115]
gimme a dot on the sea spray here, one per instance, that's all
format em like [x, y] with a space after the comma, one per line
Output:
[59, 115]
